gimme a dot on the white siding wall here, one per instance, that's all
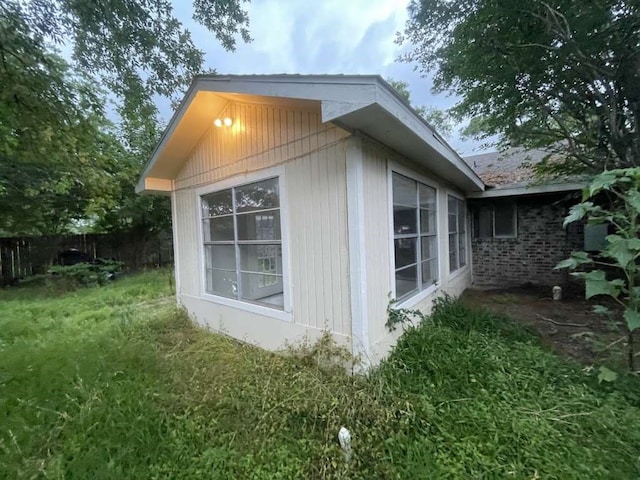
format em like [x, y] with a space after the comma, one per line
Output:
[379, 247]
[313, 158]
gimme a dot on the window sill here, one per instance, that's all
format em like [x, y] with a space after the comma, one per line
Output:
[458, 272]
[418, 297]
[248, 307]
[492, 239]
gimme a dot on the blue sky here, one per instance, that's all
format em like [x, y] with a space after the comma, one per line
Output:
[327, 36]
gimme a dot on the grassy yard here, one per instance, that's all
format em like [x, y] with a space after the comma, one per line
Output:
[115, 382]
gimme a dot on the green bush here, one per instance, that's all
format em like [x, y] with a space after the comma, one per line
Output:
[82, 275]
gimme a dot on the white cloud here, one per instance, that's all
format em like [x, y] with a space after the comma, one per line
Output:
[326, 36]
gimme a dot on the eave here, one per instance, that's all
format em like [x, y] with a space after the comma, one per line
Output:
[362, 103]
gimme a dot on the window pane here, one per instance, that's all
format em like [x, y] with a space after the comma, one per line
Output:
[406, 252]
[263, 288]
[404, 220]
[259, 226]
[452, 204]
[427, 197]
[429, 248]
[427, 221]
[453, 252]
[258, 196]
[218, 229]
[406, 281]
[404, 190]
[504, 218]
[461, 217]
[429, 272]
[462, 250]
[222, 282]
[261, 258]
[483, 222]
[453, 223]
[220, 256]
[218, 203]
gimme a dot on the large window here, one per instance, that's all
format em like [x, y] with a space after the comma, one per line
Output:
[243, 243]
[414, 235]
[496, 220]
[457, 233]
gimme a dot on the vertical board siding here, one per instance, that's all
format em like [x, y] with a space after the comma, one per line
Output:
[261, 136]
[186, 253]
[377, 225]
[379, 261]
[317, 242]
[313, 155]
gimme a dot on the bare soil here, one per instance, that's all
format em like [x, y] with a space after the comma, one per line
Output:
[568, 327]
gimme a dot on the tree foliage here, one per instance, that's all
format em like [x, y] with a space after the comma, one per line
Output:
[434, 116]
[61, 159]
[136, 48]
[621, 254]
[51, 138]
[560, 74]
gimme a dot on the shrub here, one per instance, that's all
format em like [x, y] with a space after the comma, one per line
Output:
[70, 277]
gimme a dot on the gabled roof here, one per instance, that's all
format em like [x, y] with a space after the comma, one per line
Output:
[363, 103]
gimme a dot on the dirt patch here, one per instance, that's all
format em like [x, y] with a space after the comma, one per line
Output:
[568, 327]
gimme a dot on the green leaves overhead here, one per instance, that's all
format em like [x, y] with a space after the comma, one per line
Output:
[633, 319]
[61, 159]
[137, 48]
[439, 119]
[576, 259]
[561, 74]
[578, 212]
[622, 190]
[623, 250]
[600, 182]
[596, 283]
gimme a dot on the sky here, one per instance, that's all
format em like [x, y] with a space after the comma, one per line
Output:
[326, 36]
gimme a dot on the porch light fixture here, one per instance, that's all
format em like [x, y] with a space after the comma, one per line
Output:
[219, 122]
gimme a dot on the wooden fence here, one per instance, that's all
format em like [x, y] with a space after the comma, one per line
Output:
[21, 257]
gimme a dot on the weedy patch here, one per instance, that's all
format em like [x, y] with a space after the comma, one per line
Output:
[119, 383]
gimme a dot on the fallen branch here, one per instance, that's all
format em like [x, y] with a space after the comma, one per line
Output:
[624, 337]
[560, 324]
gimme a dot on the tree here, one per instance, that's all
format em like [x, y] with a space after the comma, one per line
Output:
[51, 123]
[436, 117]
[132, 217]
[560, 74]
[622, 251]
[60, 158]
[136, 48]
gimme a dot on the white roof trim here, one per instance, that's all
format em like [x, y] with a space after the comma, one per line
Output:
[168, 131]
[527, 190]
[340, 96]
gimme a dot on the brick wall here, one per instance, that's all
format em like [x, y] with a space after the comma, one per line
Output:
[540, 244]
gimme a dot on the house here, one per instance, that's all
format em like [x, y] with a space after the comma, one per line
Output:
[303, 204]
[517, 236]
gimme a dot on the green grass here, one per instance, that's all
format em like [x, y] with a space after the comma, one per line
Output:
[115, 382]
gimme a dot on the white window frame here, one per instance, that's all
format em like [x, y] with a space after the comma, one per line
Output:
[285, 313]
[492, 205]
[420, 295]
[462, 268]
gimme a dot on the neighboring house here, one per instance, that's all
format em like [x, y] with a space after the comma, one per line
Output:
[517, 232]
[303, 204]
